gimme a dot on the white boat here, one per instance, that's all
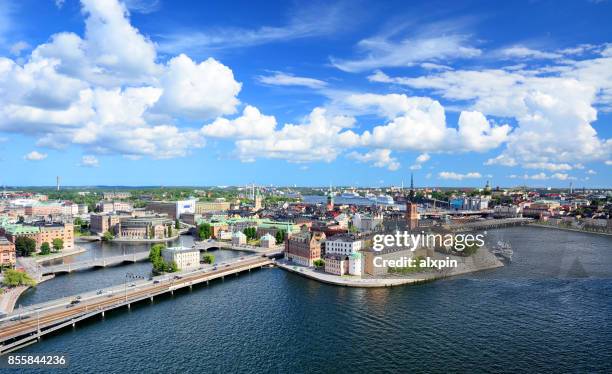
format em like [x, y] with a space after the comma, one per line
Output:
[503, 251]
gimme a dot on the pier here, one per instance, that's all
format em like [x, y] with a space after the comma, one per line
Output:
[27, 325]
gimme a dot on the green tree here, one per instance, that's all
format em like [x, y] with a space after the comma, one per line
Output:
[25, 246]
[280, 236]
[250, 232]
[107, 236]
[172, 267]
[169, 231]
[45, 248]
[319, 263]
[204, 231]
[208, 258]
[177, 224]
[14, 278]
[58, 244]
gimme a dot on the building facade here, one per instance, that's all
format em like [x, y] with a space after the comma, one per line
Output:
[305, 247]
[185, 258]
[7, 253]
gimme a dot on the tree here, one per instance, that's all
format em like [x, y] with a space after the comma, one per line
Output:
[208, 258]
[204, 231]
[107, 236]
[13, 278]
[280, 236]
[172, 267]
[250, 232]
[177, 224]
[45, 248]
[58, 244]
[25, 246]
[169, 232]
[319, 263]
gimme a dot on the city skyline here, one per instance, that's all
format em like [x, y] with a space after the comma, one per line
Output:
[159, 93]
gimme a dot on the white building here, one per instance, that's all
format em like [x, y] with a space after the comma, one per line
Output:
[342, 254]
[267, 241]
[185, 258]
[238, 238]
[367, 222]
[185, 206]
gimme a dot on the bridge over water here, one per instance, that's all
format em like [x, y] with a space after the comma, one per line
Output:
[27, 325]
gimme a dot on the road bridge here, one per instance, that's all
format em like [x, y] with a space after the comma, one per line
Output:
[27, 325]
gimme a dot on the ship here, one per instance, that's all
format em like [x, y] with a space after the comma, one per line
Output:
[503, 251]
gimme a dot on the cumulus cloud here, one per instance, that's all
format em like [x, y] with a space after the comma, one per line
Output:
[89, 161]
[35, 156]
[107, 92]
[458, 176]
[321, 137]
[380, 158]
[251, 125]
[419, 123]
[550, 105]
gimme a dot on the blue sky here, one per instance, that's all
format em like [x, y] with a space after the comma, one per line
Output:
[154, 92]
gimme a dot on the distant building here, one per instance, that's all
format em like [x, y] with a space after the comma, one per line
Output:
[114, 206]
[7, 253]
[40, 209]
[116, 195]
[239, 238]
[267, 241]
[507, 211]
[185, 258]
[174, 209]
[367, 222]
[203, 207]
[305, 247]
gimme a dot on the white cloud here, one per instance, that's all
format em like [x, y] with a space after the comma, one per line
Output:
[89, 161]
[591, 172]
[309, 20]
[203, 90]
[35, 156]
[549, 105]
[251, 125]
[283, 79]
[322, 137]
[548, 166]
[19, 47]
[519, 51]
[419, 123]
[457, 176]
[382, 51]
[379, 157]
[106, 92]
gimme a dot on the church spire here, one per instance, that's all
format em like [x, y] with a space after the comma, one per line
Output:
[411, 193]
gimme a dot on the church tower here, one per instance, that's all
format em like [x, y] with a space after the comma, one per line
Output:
[412, 216]
[330, 199]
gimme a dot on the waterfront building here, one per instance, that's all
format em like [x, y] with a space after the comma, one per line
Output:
[101, 223]
[304, 247]
[267, 241]
[342, 254]
[507, 211]
[147, 227]
[7, 253]
[239, 238]
[185, 258]
[40, 232]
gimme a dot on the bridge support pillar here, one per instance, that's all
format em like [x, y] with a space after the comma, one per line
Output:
[73, 324]
[103, 314]
[207, 283]
[129, 307]
[249, 270]
[171, 292]
[151, 298]
[236, 273]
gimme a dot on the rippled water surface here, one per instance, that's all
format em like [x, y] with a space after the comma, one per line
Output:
[548, 311]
